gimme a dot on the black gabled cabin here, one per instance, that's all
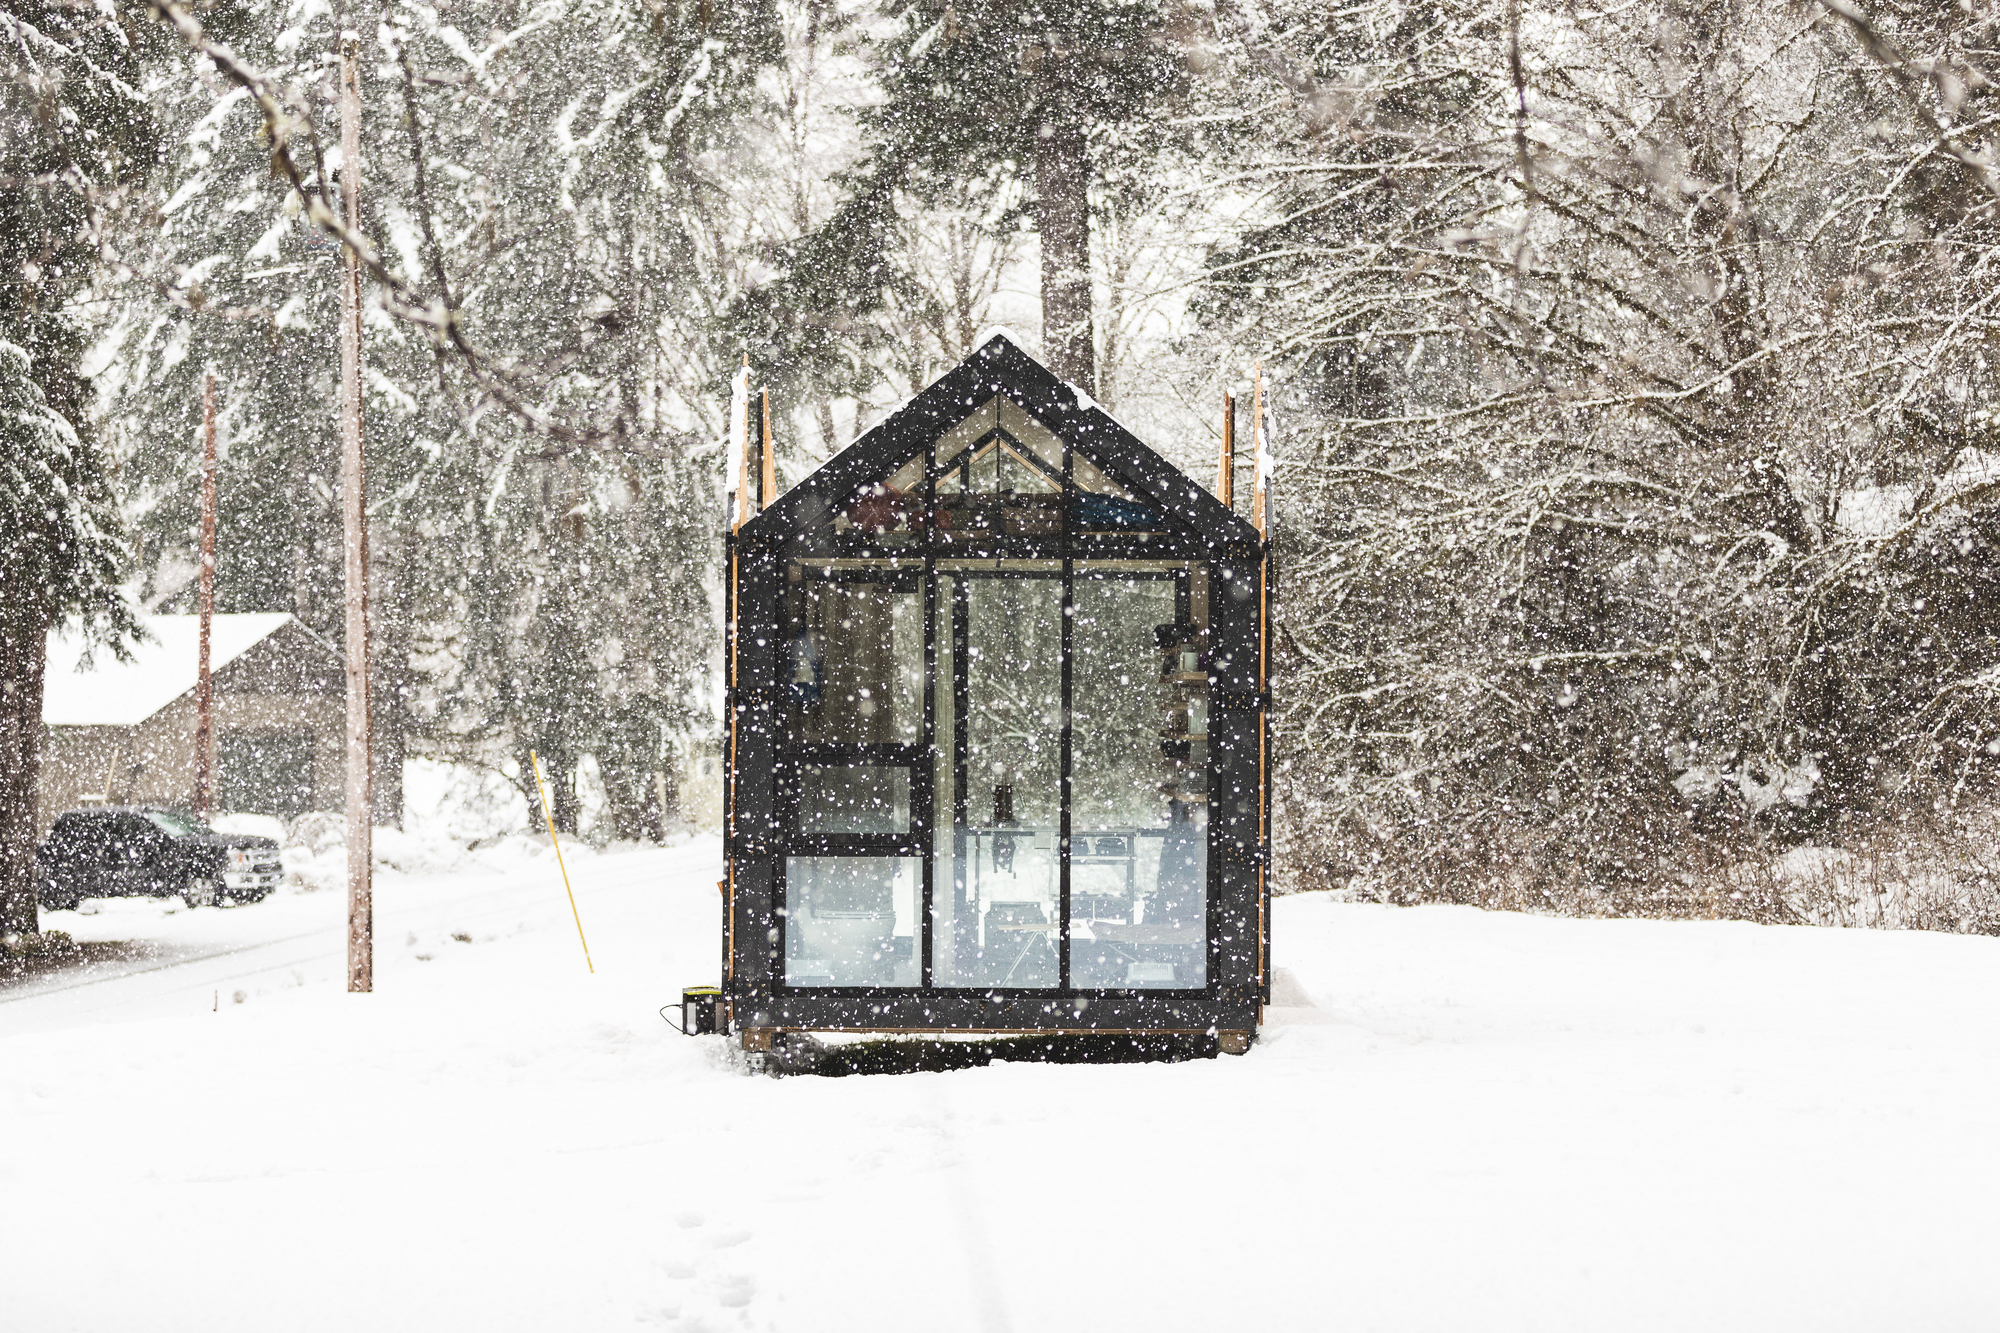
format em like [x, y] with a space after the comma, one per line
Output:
[997, 738]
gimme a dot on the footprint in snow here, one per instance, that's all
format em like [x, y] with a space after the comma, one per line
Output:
[737, 1291]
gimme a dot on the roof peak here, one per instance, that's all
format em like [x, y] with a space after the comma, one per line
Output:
[1001, 366]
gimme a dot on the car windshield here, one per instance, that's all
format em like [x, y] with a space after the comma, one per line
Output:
[177, 825]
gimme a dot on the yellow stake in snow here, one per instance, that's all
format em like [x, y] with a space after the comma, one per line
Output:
[549, 816]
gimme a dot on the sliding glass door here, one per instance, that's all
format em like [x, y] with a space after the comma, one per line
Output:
[997, 885]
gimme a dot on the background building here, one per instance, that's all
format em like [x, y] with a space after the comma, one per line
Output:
[123, 732]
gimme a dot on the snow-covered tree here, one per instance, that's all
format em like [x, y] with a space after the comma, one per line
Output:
[1636, 401]
[1631, 366]
[979, 101]
[75, 133]
[560, 178]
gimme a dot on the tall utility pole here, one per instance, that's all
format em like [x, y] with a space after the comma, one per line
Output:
[204, 699]
[354, 511]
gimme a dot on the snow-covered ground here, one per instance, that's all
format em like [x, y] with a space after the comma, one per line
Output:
[1488, 1122]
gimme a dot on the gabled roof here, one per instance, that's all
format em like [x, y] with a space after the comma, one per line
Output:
[1001, 368]
[110, 693]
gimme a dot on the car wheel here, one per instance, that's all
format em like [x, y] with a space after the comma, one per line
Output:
[200, 892]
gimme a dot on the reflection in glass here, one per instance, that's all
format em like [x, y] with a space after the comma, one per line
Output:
[850, 920]
[855, 683]
[856, 669]
[1000, 750]
[854, 798]
[999, 474]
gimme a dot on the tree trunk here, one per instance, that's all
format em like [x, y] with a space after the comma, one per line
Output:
[389, 671]
[360, 804]
[628, 791]
[668, 792]
[23, 657]
[555, 797]
[652, 823]
[563, 794]
[1062, 219]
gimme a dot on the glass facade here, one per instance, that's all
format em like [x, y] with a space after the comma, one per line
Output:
[856, 653]
[854, 798]
[995, 753]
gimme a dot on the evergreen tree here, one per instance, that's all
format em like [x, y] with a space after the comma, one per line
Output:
[75, 132]
[975, 98]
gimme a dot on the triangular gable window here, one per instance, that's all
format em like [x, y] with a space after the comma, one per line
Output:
[997, 472]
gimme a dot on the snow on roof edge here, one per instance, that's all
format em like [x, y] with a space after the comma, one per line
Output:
[1024, 344]
[110, 693]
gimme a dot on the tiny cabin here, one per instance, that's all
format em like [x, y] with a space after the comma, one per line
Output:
[997, 747]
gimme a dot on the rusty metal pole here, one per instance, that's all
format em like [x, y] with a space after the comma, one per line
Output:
[354, 510]
[767, 489]
[739, 475]
[204, 699]
[1225, 471]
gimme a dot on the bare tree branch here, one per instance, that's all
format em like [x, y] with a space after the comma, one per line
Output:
[1904, 71]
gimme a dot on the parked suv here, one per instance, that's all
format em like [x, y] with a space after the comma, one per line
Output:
[120, 851]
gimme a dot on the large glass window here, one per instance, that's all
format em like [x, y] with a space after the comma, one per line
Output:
[851, 920]
[1138, 813]
[855, 695]
[997, 881]
[866, 788]
[855, 669]
[854, 798]
[999, 475]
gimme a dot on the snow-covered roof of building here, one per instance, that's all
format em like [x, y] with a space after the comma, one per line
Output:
[111, 693]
